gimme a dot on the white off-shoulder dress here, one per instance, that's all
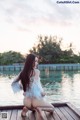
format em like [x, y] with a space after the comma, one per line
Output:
[35, 89]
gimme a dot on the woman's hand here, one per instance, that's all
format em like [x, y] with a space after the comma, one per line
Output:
[24, 93]
[43, 94]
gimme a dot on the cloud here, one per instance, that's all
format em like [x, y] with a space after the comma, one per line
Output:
[22, 12]
[38, 17]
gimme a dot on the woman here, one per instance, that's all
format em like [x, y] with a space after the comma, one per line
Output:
[33, 91]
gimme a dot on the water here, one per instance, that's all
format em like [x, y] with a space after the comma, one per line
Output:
[60, 86]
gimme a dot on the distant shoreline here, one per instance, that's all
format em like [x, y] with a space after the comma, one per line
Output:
[19, 67]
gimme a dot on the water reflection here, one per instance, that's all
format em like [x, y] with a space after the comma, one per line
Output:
[59, 86]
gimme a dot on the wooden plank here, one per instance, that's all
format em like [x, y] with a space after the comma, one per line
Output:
[65, 113]
[74, 109]
[9, 114]
[44, 115]
[55, 116]
[19, 115]
[31, 115]
[27, 115]
[49, 116]
[61, 115]
[62, 110]
[59, 104]
[14, 114]
[0, 115]
[75, 117]
[11, 107]
[37, 116]
[21, 106]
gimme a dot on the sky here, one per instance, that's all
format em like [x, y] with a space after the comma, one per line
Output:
[21, 21]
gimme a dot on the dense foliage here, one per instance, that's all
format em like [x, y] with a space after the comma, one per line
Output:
[11, 57]
[49, 48]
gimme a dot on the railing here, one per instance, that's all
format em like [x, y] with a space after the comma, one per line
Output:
[42, 67]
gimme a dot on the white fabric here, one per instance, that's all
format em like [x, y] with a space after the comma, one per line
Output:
[35, 86]
[16, 87]
[35, 89]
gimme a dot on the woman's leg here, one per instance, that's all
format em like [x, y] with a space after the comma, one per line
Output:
[27, 106]
[38, 114]
[27, 102]
[51, 110]
[43, 105]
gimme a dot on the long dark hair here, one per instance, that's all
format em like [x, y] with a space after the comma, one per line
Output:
[27, 71]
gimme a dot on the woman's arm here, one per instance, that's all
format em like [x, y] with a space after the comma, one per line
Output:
[43, 94]
[17, 78]
[16, 85]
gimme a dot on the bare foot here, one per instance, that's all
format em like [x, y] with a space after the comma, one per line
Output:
[24, 111]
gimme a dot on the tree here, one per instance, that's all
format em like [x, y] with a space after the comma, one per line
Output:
[48, 48]
[10, 58]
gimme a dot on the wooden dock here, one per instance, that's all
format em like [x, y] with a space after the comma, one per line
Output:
[63, 111]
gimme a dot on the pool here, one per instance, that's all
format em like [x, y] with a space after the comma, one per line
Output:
[60, 86]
